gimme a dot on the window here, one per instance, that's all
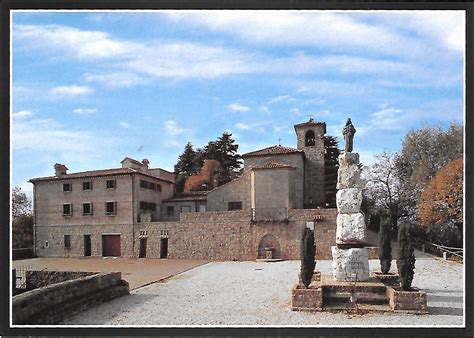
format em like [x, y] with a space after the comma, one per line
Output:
[309, 138]
[111, 184]
[152, 186]
[158, 187]
[170, 210]
[46, 244]
[67, 187]
[148, 206]
[67, 242]
[234, 206]
[111, 208]
[185, 208]
[143, 184]
[67, 209]
[87, 208]
[87, 185]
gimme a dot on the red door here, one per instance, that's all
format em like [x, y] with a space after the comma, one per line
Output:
[111, 245]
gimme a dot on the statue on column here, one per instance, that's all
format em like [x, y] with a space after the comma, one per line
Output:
[348, 133]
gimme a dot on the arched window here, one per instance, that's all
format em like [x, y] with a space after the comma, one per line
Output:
[309, 138]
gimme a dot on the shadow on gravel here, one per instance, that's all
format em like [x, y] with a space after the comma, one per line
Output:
[454, 299]
[446, 311]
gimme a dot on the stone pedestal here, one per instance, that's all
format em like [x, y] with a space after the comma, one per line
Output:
[350, 264]
[350, 229]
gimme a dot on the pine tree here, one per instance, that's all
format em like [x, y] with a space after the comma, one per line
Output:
[224, 150]
[385, 248]
[406, 257]
[308, 252]
[186, 161]
[331, 160]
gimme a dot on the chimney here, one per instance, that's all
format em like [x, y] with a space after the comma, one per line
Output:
[60, 169]
[145, 163]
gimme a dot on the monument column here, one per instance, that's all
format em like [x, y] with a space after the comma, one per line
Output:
[350, 257]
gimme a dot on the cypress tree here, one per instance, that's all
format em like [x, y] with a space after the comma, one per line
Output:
[385, 249]
[406, 257]
[307, 256]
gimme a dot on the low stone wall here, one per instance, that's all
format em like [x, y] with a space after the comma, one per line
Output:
[214, 216]
[39, 279]
[53, 303]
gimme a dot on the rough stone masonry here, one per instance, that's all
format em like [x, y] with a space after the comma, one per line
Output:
[350, 258]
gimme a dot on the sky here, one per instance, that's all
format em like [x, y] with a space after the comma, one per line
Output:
[92, 87]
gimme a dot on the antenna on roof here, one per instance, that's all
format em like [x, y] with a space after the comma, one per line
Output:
[310, 117]
[279, 141]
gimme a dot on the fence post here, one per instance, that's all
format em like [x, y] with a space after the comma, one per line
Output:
[445, 256]
[423, 247]
[14, 281]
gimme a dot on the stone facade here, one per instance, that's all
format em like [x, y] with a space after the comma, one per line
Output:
[268, 200]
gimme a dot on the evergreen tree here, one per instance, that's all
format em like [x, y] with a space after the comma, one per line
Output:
[331, 160]
[406, 257]
[186, 161]
[22, 220]
[224, 150]
[307, 254]
[385, 248]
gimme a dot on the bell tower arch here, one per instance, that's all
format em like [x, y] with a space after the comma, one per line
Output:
[310, 139]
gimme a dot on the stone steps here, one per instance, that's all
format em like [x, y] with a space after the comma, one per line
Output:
[376, 294]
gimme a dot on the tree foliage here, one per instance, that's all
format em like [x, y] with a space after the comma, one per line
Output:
[406, 257]
[22, 220]
[424, 152]
[224, 150]
[308, 252]
[441, 204]
[331, 160]
[385, 248]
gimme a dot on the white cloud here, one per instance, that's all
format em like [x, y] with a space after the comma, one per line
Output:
[242, 126]
[388, 119]
[70, 91]
[238, 107]
[172, 128]
[117, 79]
[85, 110]
[281, 98]
[295, 111]
[57, 138]
[265, 109]
[71, 41]
[323, 29]
[124, 124]
[22, 113]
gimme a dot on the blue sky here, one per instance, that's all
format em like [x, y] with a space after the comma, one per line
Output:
[90, 88]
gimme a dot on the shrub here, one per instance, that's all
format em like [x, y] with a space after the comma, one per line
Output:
[307, 256]
[406, 257]
[385, 248]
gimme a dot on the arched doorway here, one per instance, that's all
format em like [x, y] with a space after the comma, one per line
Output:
[269, 241]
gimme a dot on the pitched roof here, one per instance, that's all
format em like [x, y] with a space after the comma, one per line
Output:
[274, 150]
[98, 173]
[188, 196]
[309, 123]
[273, 166]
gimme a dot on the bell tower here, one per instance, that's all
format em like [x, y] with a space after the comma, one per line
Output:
[310, 139]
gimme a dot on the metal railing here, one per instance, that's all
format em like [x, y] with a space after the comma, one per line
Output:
[445, 250]
[269, 214]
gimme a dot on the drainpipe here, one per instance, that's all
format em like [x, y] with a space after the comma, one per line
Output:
[34, 220]
[133, 215]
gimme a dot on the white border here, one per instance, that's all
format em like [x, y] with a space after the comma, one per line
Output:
[229, 326]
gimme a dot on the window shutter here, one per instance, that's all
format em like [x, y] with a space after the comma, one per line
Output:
[71, 208]
[115, 207]
[92, 209]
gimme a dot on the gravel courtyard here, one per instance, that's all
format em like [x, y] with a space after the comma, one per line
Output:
[258, 293]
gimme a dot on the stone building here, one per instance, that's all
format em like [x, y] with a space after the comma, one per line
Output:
[133, 211]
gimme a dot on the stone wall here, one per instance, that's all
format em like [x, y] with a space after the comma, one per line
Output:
[54, 235]
[53, 303]
[232, 236]
[38, 279]
[233, 191]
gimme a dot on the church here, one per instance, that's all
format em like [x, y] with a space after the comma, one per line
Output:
[133, 211]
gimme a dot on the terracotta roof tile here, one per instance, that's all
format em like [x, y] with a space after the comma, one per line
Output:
[98, 173]
[274, 166]
[311, 122]
[274, 150]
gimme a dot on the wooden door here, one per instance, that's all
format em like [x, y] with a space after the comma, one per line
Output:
[142, 253]
[111, 245]
[87, 245]
[164, 248]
